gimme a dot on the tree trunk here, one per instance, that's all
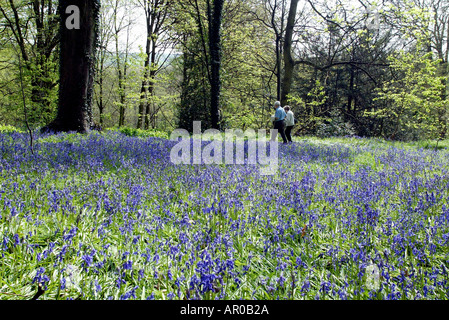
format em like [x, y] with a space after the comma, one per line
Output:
[77, 68]
[215, 56]
[289, 63]
[351, 94]
[122, 88]
[154, 18]
[100, 84]
[443, 116]
[144, 87]
[446, 94]
[121, 68]
[278, 68]
[150, 113]
[278, 34]
[121, 91]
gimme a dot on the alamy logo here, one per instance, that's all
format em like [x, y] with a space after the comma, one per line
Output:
[373, 21]
[73, 21]
[225, 149]
[372, 277]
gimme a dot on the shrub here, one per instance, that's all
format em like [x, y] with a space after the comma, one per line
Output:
[132, 132]
[8, 129]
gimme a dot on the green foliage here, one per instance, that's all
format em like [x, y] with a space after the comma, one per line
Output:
[433, 145]
[334, 126]
[193, 64]
[341, 83]
[42, 75]
[8, 129]
[36, 55]
[314, 116]
[132, 132]
[247, 57]
[413, 105]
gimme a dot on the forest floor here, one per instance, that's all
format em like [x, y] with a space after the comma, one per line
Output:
[108, 216]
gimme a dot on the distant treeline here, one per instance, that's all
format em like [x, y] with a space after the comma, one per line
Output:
[345, 68]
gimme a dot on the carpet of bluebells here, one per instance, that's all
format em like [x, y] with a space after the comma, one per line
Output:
[107, 216]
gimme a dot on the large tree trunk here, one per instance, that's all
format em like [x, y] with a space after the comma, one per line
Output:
[289, 63]
[215, 55]
[77, 68]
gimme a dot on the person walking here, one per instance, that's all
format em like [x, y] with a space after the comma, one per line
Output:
[279, 121]
[289, 123]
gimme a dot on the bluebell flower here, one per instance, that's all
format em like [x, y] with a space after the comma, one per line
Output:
[171, 296]
[130, 294]
[128, 265]
[41, 278]
[151, 297]
[63, 283]
[97, 286]
[305, 287]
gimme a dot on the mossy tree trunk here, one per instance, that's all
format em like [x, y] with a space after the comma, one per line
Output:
[215, 18]
[77, 67]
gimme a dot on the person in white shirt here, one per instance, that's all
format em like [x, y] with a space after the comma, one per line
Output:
[289, 123]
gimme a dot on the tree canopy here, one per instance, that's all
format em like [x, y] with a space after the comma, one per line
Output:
[344, 67]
